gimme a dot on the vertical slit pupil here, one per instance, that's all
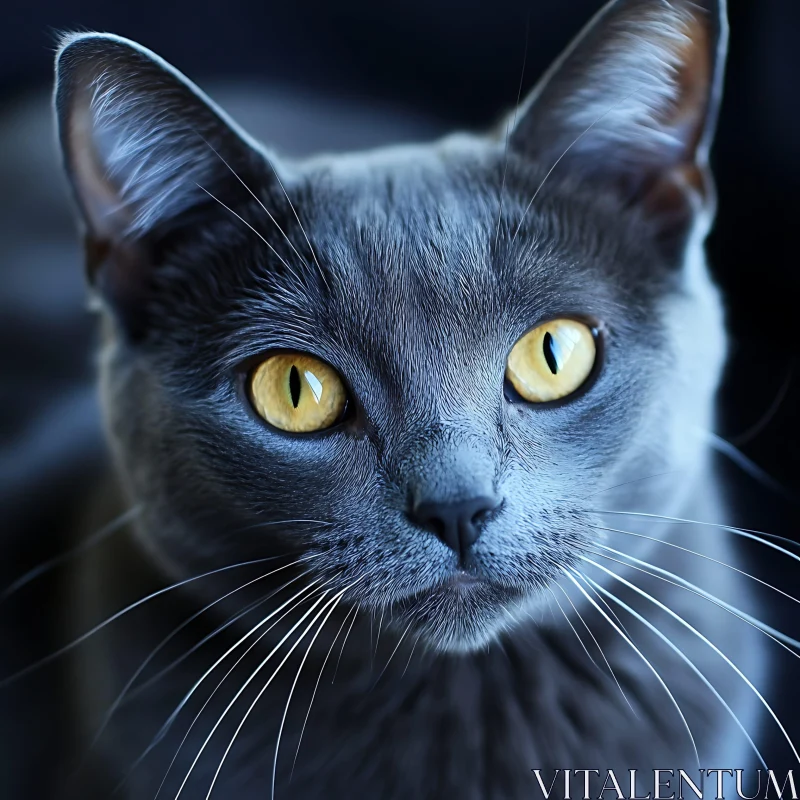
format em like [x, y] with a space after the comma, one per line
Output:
[548, 345]
[294, 385]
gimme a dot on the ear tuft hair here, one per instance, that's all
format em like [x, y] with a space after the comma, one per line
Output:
[139, 139]
[635, 97]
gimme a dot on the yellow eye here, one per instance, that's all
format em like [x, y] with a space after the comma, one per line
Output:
[297, 392]
[551, 361]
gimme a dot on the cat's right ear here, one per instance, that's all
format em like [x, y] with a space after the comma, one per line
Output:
[631, 107]
[143, 147]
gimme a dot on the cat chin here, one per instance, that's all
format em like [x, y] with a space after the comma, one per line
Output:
[462, 616]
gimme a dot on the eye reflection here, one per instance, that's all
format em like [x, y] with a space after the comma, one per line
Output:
[551, 361]
[297, 392]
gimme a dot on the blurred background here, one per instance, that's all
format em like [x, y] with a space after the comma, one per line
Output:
[311, 74]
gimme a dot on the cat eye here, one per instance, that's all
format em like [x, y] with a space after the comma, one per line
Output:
[552, 361]
[298, 393]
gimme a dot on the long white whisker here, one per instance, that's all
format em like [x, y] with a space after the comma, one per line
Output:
[344, 642]
[701, 555]
[241, 690]
[756, 536]
[707, 641]
[396, 648]
[778, 637]
[598, 588]
[597, 644]
[512, 124]
[354, 611]
[754, 430]
[569, 622]
[83, 637]
[378, 638]
[569, 147]
[410, 656]
[115, 525]
[303, 230]
[174, 715]
[747, 465]
[644, 659]
[613, 614]
[263, 689]
[120, 697]
[628, 483]
[331, 609]
[260, 236]
[195, 647]
[227, 675]
[258, 200]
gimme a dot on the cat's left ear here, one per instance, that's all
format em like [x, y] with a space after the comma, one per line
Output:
[142, 144]
[633, 102]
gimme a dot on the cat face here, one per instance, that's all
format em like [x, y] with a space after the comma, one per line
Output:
[242, 294]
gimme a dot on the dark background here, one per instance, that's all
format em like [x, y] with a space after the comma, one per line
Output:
[439, 64]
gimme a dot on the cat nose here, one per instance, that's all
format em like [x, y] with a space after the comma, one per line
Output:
[457, 523]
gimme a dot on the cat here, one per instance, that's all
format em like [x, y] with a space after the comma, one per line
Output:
[406, 439]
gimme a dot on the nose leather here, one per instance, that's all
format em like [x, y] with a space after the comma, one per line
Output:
[457, 523]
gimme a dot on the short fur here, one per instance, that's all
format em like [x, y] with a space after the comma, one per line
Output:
[413, 271]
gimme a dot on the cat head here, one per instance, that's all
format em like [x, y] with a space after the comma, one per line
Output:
[417, 365]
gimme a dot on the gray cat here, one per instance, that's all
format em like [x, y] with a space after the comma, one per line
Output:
[408, 438]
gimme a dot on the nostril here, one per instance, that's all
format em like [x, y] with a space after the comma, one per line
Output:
[480, 515]
[437, 525]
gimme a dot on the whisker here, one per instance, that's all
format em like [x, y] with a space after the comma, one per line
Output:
[120, 697]
[334, 600]
[241, 690]
[512, 124]
[303, 230]
[613, 614]
[569, 622]
[707, 641]
[270, 522]
[598, 588]
[747, 465]
[752, 432]
[258, 200]
[644, 659]
[260, 236]
[559, 159]
[331, 609]
[378, 638]
[700, 555]
[344, 642]
[700, 592]
[597, 644]
[747, 533]
[83, 637]
[411, 655]
[114, 526]
[225, 677]
[174, 715]
[628, 483]
[195, 647]
[316, 686]
[396, 648]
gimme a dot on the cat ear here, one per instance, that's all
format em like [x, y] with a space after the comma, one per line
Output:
[142, 145]
[633, 101]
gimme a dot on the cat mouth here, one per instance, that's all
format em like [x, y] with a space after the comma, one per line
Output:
[461, 613]
[462, 581]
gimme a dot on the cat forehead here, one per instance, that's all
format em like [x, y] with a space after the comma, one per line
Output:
[420, 240]
[405, 161]
[414, 243]
[402, 192]
[458, 207]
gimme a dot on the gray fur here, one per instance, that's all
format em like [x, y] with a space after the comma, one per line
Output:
[414, 272]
